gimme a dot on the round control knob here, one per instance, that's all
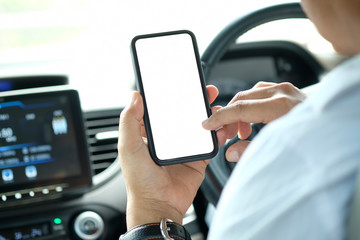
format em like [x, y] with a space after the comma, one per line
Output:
[89, 225]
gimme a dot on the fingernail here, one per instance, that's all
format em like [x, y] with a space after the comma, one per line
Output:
[233, 156]
[219, 128]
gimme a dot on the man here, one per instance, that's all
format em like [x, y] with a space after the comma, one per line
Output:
[294, 181]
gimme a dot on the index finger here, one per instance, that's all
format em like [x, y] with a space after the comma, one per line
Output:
[248, 111]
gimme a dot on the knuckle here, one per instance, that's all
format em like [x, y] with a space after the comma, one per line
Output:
[239, 106]
[286, 102]
[259, 84]
[238, 95]
[286, 87]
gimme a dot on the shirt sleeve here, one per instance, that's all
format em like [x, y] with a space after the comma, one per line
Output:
[296, 179]
[278, 191]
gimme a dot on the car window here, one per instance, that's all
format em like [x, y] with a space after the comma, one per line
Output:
[89, 40]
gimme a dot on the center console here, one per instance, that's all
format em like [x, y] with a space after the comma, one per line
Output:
[88, 222]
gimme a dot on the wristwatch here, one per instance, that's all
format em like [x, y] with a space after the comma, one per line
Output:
[167, 230]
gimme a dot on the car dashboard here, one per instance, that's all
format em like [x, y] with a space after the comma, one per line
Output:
[51, 187]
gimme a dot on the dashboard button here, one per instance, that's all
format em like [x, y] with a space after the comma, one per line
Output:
[89, 225]
[18, 196]
[59, 189]
[45, 191]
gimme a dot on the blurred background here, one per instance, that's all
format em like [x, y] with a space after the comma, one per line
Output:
[88, 40]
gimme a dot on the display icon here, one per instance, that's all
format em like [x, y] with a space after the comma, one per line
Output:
[31, 172]
[7, 175]
[59, 125]
[25, 150]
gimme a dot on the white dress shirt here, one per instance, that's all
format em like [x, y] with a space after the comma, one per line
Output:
[296, 179]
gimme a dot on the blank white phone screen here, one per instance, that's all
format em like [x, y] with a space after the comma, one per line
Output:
[174, 96]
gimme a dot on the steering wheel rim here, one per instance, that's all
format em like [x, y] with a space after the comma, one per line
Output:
[233, 31]
[217, 172]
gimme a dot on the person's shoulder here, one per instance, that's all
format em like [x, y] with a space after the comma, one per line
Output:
[339, 88]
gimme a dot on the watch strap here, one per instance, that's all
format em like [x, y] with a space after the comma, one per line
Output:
[153, 231]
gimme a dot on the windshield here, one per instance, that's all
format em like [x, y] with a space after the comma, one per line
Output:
[88, 40]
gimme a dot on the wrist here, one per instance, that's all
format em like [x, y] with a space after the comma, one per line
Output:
[141, 212]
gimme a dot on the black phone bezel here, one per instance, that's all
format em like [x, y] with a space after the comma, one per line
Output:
[140, 88]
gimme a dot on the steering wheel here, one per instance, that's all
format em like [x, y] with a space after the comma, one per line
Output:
[219, 169]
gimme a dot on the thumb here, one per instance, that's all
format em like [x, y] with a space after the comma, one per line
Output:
[130, 139]
[234, 152]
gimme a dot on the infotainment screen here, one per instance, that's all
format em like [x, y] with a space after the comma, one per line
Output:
[43, 148]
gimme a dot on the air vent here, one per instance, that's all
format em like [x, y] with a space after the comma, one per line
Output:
[102, 128]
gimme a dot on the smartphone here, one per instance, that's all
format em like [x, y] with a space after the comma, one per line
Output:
[170, 79]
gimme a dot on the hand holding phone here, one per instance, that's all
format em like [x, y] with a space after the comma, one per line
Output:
[170, 80]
